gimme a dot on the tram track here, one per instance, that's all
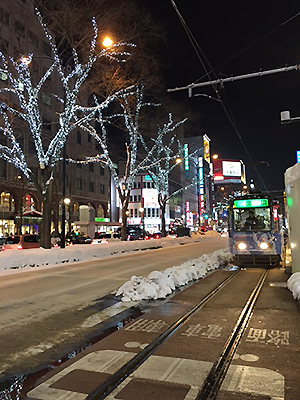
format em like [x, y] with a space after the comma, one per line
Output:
[216, 375]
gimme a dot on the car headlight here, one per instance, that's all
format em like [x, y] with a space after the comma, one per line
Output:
[242, 246]
[264, 245]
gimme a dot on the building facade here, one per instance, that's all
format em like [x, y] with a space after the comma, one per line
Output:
[21, 34]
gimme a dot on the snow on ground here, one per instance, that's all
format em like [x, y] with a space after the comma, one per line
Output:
[16, 259]
[293, 285]
[160, 284]
[156, 285]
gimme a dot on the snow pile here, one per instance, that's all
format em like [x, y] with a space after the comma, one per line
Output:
[293, 285]
[16, 259]
[160, 284]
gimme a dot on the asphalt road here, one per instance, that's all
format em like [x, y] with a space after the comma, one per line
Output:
[45, 313]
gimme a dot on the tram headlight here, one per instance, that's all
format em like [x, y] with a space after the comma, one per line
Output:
[242, 246]
[264, 245]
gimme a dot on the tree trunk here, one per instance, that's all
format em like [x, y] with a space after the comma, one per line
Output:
[163, 220]
[46, 219]
[124, 225]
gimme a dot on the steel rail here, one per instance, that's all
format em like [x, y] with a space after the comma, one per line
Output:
[105, 388]
[215, 377]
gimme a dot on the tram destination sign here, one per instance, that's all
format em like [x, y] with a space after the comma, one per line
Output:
[250, 203]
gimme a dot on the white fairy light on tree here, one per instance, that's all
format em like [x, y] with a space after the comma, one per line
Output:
[164, 160]
[21, 87]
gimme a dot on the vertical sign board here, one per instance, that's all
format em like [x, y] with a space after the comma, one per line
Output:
[206, 148]
[201, 185]
[298, 156]
[186, 159]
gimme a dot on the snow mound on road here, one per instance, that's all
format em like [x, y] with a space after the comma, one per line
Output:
[293, 284]
[158, 285]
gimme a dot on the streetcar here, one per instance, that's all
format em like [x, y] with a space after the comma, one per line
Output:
[255, 230]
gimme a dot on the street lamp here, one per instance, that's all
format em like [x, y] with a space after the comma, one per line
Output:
[141, 210]
[107, 42]
[285, 117]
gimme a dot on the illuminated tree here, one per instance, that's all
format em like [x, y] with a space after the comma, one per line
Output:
[21, 99]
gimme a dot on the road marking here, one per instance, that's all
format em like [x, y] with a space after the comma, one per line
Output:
[107, 313]
[239, 379]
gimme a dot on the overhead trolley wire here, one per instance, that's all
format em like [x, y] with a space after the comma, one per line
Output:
[252, 44]
[227, 109]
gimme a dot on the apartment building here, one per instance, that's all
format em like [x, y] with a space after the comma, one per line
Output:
[21, 34]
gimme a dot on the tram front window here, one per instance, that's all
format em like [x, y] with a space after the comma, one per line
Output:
[252, 220]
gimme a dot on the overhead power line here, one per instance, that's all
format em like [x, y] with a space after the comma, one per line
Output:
[215, 82]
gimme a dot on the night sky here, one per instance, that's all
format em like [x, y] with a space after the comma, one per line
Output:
[239, 37]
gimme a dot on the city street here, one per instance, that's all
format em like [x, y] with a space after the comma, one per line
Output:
[46, 313]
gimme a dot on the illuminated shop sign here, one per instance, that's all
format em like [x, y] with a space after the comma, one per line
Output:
[231, 168]
[206, 148]
[251, 203]
[150, 198]
[186, 156]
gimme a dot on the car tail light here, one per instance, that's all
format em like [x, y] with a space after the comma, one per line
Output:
[20, 247]
[3, 248]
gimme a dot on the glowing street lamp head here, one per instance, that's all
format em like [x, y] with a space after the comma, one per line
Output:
[215, 156]
[178, 160]
[107, 42]
[26, 60]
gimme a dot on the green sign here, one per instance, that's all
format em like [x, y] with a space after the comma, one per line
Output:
[186, 156]
[251, 203]
[98, 219]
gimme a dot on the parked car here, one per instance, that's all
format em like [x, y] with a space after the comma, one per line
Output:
[20, 242]
[2, 241]
[150, 236]
[133, 233]
[80, 239]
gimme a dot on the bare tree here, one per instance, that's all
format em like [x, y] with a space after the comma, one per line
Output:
[26, 106]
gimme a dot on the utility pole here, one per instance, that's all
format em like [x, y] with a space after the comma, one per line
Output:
[233, 78]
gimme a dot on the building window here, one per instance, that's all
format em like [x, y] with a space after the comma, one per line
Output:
[102, 189]
[4, 45]
[31, 147]
[47, 124]
[19, 28]
[78, 137]
[33, 39]
[139, 197]
[91, 186]
[139, 185]
[2, 169]
[135, 212]
[97, 146]
[131, 212]
[130, 199]
[91, 167]
[47, 49]
[134, 185]
[46, 99]
[3, 76]
[134, 197]
[78, 183]
[4, 16]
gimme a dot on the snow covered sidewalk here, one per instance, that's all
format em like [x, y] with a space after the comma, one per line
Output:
[20, 259]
